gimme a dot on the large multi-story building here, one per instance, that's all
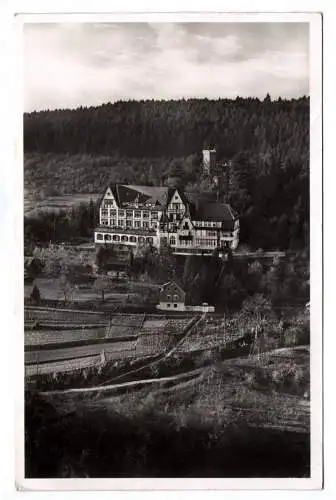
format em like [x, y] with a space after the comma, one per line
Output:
[148, 215]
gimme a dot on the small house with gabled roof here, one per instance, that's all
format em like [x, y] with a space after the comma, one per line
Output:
[172, 297]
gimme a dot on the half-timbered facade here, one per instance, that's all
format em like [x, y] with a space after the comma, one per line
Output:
[148, 215]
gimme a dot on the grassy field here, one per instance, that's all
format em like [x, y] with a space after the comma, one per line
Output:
[50, 290]
[238, 418]
[57, 203]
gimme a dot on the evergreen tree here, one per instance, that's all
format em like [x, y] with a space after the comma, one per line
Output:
[35, 295]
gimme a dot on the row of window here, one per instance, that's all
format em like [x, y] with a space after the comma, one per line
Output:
[185, 243]
[174, 216]
[169, 297]
[108, 203]
[206, 224]
[175, 305]
[124, 238]
[176, 207]
[136, 214]
[199, 242]
[206, 243]
[137, 224]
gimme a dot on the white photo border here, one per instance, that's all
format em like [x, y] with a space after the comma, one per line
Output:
[315, 481]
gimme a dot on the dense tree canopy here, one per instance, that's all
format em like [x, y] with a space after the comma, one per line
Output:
[147, 129]
[71, 151]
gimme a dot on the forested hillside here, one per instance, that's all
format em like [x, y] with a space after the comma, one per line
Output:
[72, 151]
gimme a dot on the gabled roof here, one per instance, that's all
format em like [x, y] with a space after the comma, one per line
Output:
[206, 207]
[201, 206]
[153, 195]
[181, 194]
[215, 211]
[186, 217]
[157, 193]
[171, 282]
[114, 190]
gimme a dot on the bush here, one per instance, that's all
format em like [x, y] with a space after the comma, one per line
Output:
[292, 378]
[298, 333]
[35, 296]
[257, 378]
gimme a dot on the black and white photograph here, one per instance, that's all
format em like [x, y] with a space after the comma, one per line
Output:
[168, 295]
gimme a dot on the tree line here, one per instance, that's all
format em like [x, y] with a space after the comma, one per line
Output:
[173, 128]
[144, 142]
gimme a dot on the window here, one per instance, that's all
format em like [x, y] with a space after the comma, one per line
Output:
[116, 237]
[113, 222]
[108, 203]
[124, 238]
[175, 297]
[137, 223]
[211, 233]
[132, 239]
[168, 305]
[104, 222]
[129, 213]
[137, 214]
[150, 240]
[154, 215]
[175, 305]
[113, 213]
[172, 240]
[121, 222]
[99, 236]
[145, 215]
[129, 223]
[168, 297]
[107, 237]
[186, 225]
[141, 239]
[121, 213]
[145, 225]
[104, 213]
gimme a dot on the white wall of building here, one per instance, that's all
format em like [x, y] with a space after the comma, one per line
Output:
[205, 235]
[169, 306]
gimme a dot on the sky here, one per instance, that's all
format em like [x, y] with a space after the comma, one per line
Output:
[88, 64]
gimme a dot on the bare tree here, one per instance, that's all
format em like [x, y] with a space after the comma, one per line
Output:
[66, 287]
[101, 285]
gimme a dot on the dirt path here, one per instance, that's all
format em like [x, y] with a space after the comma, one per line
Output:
[99, 388]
